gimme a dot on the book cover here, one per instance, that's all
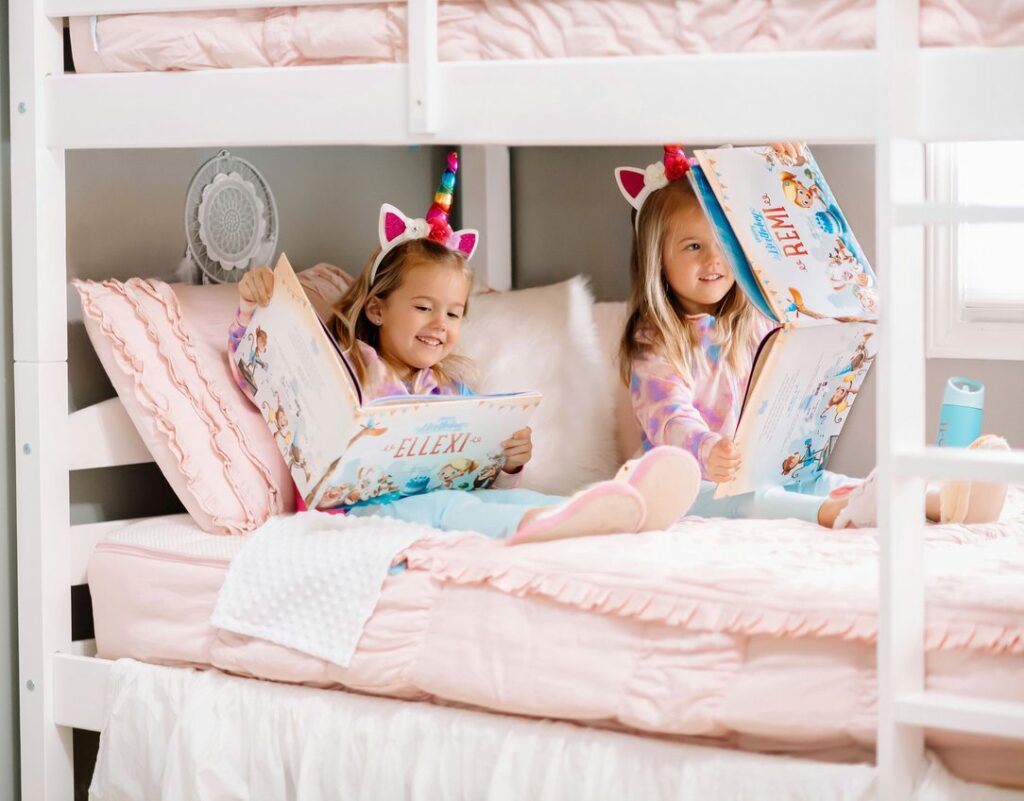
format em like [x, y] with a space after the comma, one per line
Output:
[344, 452]
[797, 260]
[790, 244]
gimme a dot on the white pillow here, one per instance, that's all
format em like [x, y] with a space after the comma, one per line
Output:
[611, 320]
[545, 339]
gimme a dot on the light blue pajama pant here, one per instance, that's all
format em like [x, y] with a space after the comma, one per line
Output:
[801, 502]
[493, 512]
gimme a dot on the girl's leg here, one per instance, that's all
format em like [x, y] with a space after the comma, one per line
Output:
[803, 502]
[456, 510]
[606, 508]
[518, 497]
[705, 504]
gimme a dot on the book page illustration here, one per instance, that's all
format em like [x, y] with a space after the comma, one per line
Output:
[300, 385]
[794, 412]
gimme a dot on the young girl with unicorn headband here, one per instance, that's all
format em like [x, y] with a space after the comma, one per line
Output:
[686, 353]
[399, 324]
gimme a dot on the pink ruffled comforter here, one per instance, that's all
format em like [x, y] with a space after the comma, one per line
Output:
[516, 29]
[757, 634]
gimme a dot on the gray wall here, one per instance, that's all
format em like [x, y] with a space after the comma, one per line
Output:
[8, 564]
[570, 218]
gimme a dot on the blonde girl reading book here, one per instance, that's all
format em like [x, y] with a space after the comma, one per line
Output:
[686, 355]
[399, 324]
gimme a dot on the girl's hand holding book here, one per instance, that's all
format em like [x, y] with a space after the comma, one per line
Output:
[723, 461]
[517, 450]
[790, 150]
[257, 286]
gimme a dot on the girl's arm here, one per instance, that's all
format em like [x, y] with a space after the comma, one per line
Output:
[664, 408]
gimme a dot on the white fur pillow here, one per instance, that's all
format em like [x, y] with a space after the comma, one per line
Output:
[545, 339]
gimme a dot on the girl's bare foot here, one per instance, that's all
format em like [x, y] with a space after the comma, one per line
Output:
[830, 509]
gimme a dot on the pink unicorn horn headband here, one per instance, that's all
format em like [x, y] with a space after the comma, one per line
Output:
[396, 229]
[637, 185]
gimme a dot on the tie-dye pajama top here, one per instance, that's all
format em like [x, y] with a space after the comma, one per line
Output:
[691, 412]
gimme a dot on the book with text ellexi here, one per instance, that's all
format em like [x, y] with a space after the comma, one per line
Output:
[343, 451]
[794, 255]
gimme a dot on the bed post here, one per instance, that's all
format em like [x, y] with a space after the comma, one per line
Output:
[899, 180]
[41, 400]
[421, 16]
[487, 190]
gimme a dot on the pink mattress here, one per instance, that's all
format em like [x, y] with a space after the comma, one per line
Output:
[752, 634]
[515, 29]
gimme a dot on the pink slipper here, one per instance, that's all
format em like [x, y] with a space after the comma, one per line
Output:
[610, 507]
[668, 478]
[973, 501]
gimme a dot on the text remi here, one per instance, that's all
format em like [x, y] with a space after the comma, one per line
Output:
[785, 232]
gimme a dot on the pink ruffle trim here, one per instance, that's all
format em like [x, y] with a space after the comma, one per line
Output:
[943, 633]
[157, 406]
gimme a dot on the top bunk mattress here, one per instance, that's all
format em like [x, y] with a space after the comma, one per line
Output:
[475, 30]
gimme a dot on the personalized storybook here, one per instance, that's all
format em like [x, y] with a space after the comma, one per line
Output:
[796, 258]
[343, 451]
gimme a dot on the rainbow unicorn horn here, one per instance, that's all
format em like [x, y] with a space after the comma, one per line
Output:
[437, 216]
[394, 228]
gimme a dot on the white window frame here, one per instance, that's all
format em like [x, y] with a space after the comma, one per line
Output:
[956, 328]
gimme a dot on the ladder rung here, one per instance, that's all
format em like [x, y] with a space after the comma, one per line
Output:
[951, 214]
[962, 713]
[961, 463]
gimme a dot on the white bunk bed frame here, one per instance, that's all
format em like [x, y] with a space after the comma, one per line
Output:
[894, 96]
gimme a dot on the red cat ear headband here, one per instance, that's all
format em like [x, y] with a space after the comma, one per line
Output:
[637, 185]
[395, 228]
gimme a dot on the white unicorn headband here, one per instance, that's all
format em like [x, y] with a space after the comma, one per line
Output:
[396, 229]
[636, 185]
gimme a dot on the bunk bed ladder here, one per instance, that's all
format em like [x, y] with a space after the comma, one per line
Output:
[905, 708]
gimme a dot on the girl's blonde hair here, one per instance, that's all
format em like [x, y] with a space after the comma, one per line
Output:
[350, 323]
[656, 321]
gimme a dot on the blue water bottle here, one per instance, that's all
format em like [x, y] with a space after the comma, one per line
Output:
[963, 406]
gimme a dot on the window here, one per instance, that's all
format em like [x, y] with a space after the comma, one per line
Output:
[976, 268]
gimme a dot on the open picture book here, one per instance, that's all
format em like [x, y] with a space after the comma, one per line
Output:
[798, 262]
[344, 451]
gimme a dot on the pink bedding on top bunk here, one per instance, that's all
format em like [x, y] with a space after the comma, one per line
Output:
[753, 634]
[515, 29]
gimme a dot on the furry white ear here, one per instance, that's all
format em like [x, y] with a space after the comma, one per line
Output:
[631, 182]
[392, 224]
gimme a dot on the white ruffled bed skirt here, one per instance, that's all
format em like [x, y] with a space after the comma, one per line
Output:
[184, 735]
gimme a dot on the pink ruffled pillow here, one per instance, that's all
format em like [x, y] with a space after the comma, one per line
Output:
[164, 348]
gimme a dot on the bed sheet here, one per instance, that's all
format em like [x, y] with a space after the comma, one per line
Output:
[450, 628]
[262, 741]
[515, 29]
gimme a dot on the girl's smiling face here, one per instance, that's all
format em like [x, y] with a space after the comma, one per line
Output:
[692, 262]
[420, 321]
